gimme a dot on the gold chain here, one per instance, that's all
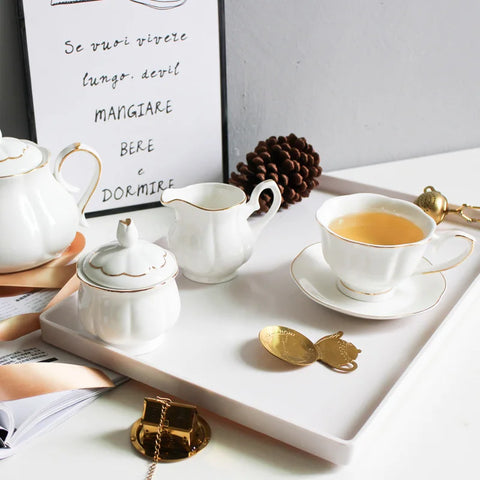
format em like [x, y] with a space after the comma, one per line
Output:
[158, 439]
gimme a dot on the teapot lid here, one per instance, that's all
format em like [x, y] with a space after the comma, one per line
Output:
[129, 263]
[18, 156]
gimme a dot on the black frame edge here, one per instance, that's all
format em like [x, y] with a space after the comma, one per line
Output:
[223, 85]
[26, 69]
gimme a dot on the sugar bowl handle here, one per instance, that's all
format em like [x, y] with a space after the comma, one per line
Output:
[87, 194]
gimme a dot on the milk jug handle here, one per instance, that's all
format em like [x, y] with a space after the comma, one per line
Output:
[253, 204]
[87, 194]
[441, 237]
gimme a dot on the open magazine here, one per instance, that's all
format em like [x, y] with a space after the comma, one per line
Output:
[25, 418]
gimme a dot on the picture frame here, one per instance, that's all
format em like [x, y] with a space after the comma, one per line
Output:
[143, 82]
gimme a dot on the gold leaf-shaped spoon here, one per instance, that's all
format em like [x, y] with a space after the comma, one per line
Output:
[337, 353]
[288, 345]
[294, 348]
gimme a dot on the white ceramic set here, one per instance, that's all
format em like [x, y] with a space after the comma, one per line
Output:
[129, 298]
[128, 295]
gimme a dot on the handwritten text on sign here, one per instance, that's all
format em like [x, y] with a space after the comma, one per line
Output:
[141, 85]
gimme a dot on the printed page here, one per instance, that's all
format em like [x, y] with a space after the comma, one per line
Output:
[26, 417]
[30, 302]
[31, 348]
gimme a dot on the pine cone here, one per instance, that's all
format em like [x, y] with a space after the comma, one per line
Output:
[290, 161]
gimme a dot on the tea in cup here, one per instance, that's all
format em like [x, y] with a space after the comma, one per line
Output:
[373, 243]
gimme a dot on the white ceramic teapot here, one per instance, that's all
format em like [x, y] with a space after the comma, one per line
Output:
[38, 215]
[212, 235]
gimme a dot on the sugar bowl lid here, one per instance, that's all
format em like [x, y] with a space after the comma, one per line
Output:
[18, 156]
[128, 263]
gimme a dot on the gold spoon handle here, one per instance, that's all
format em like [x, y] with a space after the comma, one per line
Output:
[461, 211]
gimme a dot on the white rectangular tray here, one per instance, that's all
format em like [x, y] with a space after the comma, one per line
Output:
[212, 356]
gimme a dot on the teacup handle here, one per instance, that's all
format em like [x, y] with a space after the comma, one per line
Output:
[85, 198]
[439, 238]
[253, 204]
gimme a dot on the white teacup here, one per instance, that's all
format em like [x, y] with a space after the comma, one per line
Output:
[368, 271]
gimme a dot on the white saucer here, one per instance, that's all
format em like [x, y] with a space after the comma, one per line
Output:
[315, 279]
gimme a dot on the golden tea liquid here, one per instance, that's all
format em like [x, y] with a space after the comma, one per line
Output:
[377, 228]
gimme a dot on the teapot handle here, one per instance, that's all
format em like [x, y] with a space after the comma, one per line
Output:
[62, 156]
[253, 204]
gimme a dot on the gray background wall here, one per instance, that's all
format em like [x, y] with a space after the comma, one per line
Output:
[365, 81]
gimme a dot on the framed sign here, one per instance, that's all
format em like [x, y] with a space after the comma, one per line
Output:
[140, 81]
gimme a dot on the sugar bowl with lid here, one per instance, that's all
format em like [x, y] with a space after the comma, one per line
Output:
[128, 296]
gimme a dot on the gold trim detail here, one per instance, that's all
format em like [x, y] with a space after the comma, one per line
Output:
[209, 209]
[129, 274]
[119, 274]
[14, 158]
[329, 304]
[472, 246]
[365, 293]
[206, 209]
[40, 165]
[77, 148]
[119, 290]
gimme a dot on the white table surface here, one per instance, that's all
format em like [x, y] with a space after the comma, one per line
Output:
[452, 173]
[428, 429]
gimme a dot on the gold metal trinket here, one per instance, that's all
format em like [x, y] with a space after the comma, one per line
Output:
[435, 204]
[289, 345]
[294, 348]
[169, 431]
[337, 353]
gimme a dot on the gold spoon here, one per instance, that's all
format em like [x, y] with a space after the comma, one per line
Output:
[294, 348]
[288, 345]
[337, 353]
[435, 204]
